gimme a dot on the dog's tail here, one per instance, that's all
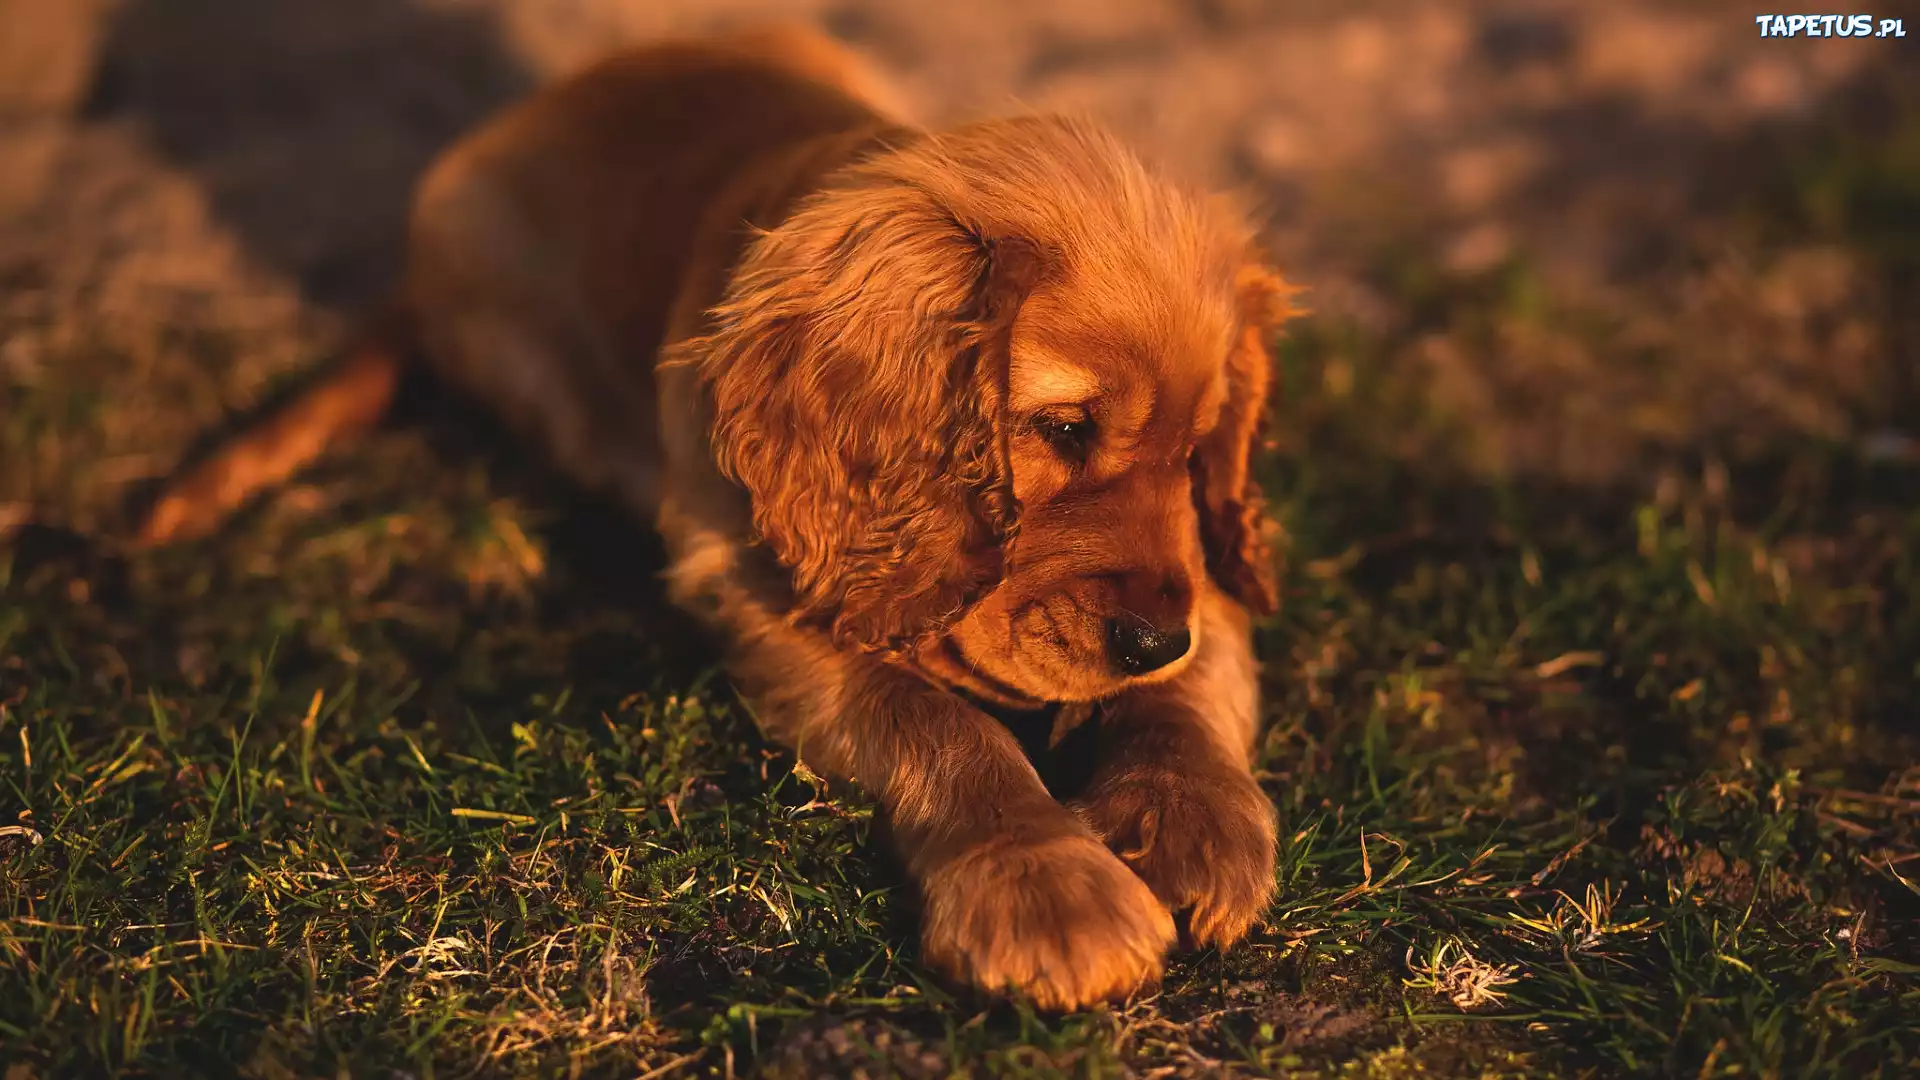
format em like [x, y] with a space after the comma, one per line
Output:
[346, 400]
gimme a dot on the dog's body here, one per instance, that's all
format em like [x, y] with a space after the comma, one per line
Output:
[930, 425]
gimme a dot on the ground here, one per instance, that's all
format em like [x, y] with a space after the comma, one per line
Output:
[1591, 709]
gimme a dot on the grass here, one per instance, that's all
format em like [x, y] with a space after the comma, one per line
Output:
[411, 774]
[1567, 786]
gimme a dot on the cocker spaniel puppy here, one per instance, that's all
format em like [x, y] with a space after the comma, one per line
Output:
[938, 427]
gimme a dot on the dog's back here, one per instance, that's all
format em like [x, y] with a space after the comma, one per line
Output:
[548, 249]
[820, 59]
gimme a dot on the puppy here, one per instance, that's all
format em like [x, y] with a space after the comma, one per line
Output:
[936, 427]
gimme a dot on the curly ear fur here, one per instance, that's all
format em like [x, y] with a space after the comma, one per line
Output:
[857, 374]
[1233, 520]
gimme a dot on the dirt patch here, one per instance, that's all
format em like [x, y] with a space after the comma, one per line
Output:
[859, 1049]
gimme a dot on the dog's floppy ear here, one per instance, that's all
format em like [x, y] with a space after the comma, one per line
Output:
[1233, 520]
[857, 374]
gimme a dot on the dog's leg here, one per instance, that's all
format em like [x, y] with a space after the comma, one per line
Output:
[1018, 893]
[1173, 790]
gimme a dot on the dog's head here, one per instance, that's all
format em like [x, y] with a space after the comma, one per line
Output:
[992, 394]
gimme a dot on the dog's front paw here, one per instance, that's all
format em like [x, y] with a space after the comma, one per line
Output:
[1201, 838]
[1060, 920]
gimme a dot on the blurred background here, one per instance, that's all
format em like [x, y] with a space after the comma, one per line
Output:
[1597, 455]
[1588, 238]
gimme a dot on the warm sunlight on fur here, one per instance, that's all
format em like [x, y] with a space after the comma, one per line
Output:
[946, 424]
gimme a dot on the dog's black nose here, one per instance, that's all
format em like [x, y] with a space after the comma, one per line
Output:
[1138, 646]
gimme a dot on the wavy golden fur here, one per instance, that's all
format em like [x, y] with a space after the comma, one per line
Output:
[938, 428]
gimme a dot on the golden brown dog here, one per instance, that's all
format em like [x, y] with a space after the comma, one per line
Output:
[933, 424]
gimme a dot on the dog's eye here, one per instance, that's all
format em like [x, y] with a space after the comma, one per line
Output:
[1070, 436]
